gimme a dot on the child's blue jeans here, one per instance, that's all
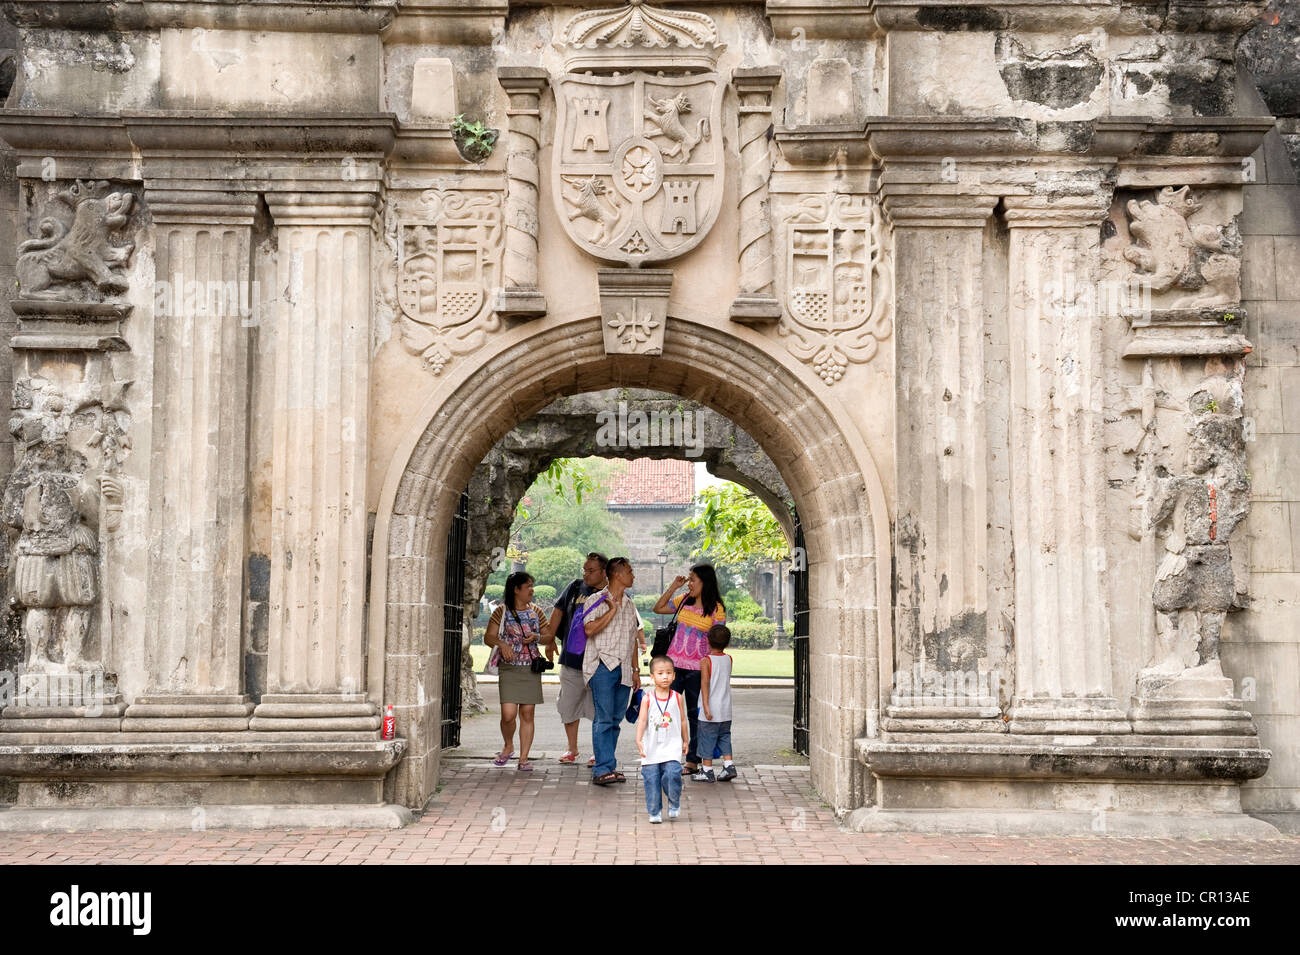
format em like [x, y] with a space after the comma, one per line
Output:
[660, 778]
[715, 735]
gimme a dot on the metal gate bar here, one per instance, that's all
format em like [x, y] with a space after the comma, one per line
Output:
[453, 620]
[802, 619]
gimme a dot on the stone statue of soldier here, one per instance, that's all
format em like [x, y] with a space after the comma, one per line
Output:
[1196, 512]
[52, 499]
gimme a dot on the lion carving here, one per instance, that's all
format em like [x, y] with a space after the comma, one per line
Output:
[1175, 253]
[47, 266]
[666, 114]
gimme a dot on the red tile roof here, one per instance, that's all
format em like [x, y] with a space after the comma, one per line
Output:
[647, 482]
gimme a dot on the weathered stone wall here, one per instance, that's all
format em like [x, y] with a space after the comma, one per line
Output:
[1262, 646]
[897, 312]
[643, 531]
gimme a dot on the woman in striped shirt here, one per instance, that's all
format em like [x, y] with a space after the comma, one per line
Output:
[701, 608]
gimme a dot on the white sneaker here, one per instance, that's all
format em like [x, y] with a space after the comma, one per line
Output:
[674, 813]
[657, 818]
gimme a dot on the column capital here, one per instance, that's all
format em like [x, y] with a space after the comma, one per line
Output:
[925, 209]
[523, 79]
[202, 202]
[757, 79]
[311, 207]
[1060, 212]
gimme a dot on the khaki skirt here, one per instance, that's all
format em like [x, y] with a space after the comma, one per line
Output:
[518, 684]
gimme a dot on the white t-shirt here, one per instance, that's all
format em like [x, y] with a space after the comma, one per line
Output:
[663, 730]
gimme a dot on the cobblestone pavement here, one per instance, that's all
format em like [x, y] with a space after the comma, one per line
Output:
[484, 814]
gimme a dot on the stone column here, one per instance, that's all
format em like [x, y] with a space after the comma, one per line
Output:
[757, 300]
[941, 544]
[519, 297]
[198, 464]
[1063, 672]
[321, 327]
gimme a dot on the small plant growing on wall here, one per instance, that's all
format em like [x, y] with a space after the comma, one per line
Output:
[473, 140]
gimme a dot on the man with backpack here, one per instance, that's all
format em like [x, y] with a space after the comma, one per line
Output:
[575, 701]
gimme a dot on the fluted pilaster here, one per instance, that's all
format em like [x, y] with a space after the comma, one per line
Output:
[1063, 675]
[941, 545]
[318, 467]
[198, 467]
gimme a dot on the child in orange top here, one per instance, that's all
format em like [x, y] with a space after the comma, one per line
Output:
[715, 707]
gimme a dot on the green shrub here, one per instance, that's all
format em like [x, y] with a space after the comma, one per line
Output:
[494, 591]
[555, 566]
[741, 606]
[477, 635]
[645, 602]
[544, 594]
[750, 635]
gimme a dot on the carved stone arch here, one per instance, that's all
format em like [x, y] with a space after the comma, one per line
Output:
[828, 470]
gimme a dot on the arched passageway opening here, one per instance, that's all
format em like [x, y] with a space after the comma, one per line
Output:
[827, 469]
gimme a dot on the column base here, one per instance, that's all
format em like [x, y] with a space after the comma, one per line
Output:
[131, 781]
[103, 717]
[1192, 717]
[519, 303]
[943, 715]
[188, 713]
[348, 713]
[1195, 701]
[1087, 716]
[1050, 787]
[755, 310]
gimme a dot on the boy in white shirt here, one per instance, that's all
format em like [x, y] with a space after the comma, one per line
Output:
[663, 737]
[715, 707]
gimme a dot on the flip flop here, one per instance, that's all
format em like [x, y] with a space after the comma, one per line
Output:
[502, 758]
[525, 767]
[591, 762]
[569, 758]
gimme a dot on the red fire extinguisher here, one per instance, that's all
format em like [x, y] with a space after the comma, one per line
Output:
[390, 723]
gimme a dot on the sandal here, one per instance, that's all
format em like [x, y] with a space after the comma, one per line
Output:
[502, 758]
[690, 770]
[569, 757]
[605, 780]
[525, 766]
[619, 777]
[591, 762]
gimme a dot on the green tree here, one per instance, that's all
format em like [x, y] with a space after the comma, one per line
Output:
[565, 507]
[736, 526]
[555, 566]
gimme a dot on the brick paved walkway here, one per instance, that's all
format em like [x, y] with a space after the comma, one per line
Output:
[484, 814]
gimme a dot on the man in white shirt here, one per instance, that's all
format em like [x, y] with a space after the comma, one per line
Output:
[610, 665]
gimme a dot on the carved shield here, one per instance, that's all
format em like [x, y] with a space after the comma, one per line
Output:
[830, 260]
[440, 275]
[638, 164]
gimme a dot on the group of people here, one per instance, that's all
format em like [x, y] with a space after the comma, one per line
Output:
[682, 724]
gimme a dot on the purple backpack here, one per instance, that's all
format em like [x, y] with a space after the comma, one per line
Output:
[576, 641]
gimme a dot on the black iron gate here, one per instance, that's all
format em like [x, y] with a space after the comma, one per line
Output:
[802, 698]
[453, 620]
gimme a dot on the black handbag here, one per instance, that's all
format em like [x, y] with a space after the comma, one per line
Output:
[664, 635]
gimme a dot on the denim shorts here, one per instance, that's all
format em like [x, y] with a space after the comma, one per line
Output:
[714, 734]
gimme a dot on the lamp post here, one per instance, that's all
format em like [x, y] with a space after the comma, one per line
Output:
[778, 638]
[663, 559]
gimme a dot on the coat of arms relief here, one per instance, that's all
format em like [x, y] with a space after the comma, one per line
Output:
[837, 282]
[638, 159]
[448, 253]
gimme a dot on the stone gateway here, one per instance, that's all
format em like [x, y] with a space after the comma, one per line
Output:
[984, 284]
